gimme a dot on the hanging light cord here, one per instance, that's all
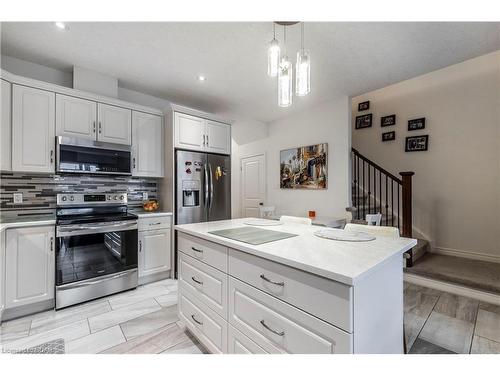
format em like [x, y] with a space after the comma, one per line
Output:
[284, 40]
[302, 36]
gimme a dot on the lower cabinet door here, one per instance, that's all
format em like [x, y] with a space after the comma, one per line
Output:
[30, 265]
[154, 252]
[279, 327]
[238, 343]
[208, 327]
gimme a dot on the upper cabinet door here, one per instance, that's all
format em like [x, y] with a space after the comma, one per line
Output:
[75, 117]
[6, 126]
[189, 132]
[147, 145]
[218, 137]
[30, 265]
[33, 129]
[114, 124]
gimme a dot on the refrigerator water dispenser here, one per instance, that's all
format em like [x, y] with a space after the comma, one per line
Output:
[190, 193]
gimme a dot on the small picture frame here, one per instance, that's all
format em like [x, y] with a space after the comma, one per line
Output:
[364, 121]
[388, 136]
[388, 120]
[417, 143]
[416, 124]
[364, 106]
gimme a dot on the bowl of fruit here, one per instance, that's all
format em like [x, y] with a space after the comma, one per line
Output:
[150, 205]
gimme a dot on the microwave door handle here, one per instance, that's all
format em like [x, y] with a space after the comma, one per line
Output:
[211, 185]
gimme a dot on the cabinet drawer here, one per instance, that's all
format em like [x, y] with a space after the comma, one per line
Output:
[326, 299]
[205, 282]
[151, 223]
[208, 252]
[279, 327]
[238, 343]
[208, 327]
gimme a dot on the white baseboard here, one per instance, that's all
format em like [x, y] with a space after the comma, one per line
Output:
[453, 288]
[466, 254]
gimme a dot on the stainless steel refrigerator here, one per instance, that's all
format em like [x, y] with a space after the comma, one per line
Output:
[203, 187]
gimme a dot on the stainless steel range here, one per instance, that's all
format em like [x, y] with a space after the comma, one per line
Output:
[96, 247]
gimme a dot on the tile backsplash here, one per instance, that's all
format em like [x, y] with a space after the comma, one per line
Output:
[39, 191]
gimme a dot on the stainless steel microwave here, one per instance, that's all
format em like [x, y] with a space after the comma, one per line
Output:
[76, 155]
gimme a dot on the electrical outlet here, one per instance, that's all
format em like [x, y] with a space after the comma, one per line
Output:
[144, 196]
[18, 198]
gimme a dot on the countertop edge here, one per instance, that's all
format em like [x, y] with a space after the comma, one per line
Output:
[20, 224]
[351, 281]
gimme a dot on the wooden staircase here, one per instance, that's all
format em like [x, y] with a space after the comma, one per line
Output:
[375, 190]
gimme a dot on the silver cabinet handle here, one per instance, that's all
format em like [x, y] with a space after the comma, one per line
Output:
[155, 223]
[280, 283]
[282, 333]
[196, 320]
[100, 127]
[207, 141]
[204, 143]
[197, 250]
[51, 156]
[133, 162]
[196, 281]
[94, 127]
[51, 243]
[140, 246]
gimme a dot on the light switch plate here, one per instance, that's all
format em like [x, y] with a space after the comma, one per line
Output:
[18, 198]
[144, 196]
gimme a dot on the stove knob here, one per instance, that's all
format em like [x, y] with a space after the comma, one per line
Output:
[116, 197]
[121, 197]
[64, 198]
[72, 198]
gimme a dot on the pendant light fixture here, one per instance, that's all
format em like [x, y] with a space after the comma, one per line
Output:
[279, 65]
[273, 55]
[302, 68]
[285, 77]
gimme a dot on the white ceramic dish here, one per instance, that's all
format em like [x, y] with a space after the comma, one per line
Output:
[344, 235]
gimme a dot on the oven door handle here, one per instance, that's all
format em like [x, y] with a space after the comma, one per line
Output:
[74, 230]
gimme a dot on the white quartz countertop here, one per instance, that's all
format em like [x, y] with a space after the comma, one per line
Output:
[345, 262]
[26, 222]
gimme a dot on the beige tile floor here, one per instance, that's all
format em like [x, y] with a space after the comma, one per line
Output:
[145, 320]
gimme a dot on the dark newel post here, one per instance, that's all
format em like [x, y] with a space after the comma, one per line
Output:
[406, 197]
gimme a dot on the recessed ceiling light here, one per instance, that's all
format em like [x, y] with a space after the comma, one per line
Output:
[60, 25]
[202, 78]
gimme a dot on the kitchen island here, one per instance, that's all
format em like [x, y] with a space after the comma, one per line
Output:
[302, 294]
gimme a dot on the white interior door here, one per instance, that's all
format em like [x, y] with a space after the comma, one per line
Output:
[253, 184]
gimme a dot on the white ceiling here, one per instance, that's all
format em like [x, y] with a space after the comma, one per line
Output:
[165, 59]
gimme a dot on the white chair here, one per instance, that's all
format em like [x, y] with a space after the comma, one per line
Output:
[267, 212]
[373, 219]
[295, 220]
[374, 230]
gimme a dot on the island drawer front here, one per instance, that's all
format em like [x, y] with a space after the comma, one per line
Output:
[207, 326]
[205, 282]
[238, 343]
[326, 299]
[208, 252]
[279, 327]
[153, 223]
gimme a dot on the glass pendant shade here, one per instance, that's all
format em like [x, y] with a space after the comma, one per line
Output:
[273, 58]
[285, 83]
[303, 73]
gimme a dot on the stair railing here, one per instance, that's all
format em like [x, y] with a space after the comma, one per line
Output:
[375, 190]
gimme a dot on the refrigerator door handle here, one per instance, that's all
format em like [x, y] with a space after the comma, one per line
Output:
[206, 185]
[211, 186]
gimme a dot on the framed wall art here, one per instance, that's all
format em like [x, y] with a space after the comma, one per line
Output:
[388, 120]
[388, 136]
[304, 167]
[364, 121]
[416, 124]
[364, 106]
[417, 143]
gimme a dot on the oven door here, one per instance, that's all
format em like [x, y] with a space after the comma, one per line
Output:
[85, 156]
[89, 251]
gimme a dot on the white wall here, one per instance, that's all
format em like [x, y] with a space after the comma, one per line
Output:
[328, 123]
[456, 193]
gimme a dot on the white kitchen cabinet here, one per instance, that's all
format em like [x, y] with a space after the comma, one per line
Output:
[114, 124]
[189, 132]
[154, 252]
[155, 247]
[76, 117]
[33, 129]
[218, 137]
[198, 134]
[30, 265]
[147, 145]
[6, 126]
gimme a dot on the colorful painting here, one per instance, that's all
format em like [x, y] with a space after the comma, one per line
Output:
[304, 167]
